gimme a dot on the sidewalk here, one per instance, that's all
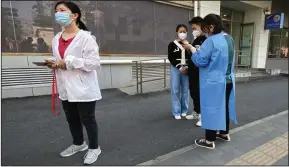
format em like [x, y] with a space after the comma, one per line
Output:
[263, 142]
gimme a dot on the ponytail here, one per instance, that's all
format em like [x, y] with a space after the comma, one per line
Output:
[82, 26]
[222, 25]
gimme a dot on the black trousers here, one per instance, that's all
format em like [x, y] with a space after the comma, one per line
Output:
[194, 86]
[211, 134]
[78, 114]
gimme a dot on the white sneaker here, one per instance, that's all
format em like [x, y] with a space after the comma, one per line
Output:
[184, 114]
[194, 115]
[73, 149]
[91, 155]
[199, 123]
[177, 117]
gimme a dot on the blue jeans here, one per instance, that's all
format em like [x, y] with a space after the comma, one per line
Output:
[179, 92]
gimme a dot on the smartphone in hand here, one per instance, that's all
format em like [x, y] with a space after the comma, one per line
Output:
[40, 63]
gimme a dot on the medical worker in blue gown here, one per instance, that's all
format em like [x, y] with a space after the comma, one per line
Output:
[216, 60]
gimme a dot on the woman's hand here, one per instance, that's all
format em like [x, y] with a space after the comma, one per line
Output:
[187, 46]
[190, 48]
[49, 62]
[184, 70]
[59, 65]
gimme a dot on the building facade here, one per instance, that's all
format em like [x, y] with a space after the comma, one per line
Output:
[120, 27]
[145, 27]
[134, 30]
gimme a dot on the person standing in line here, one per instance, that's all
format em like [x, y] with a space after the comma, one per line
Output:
[178, 57]
[215, 60]
[193, 70]
[75, 63]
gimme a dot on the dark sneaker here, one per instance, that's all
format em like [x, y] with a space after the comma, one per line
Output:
[203, 143]
[225, 138]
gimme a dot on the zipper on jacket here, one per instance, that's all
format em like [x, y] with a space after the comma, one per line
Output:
[80, 79]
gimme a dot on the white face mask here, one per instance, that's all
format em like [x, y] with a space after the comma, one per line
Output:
[182, 36]
[196, 33]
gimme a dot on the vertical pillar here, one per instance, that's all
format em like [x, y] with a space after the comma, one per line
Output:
[203, 8]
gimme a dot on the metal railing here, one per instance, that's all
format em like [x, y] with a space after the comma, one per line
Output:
[150, 70]
[242, 59]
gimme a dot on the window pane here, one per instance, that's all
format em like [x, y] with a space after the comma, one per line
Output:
[91, 16]
[284, 44]
[7, 31]
[274, 45]
[127, 28]
[34, 22]
[167, 18]
[120, 27]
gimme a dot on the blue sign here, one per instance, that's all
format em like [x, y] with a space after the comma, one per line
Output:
[274, 21]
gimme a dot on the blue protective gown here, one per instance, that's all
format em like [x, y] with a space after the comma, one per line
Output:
[212, 58]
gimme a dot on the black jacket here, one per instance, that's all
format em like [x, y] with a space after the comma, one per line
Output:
[174, 53]
[193, 70]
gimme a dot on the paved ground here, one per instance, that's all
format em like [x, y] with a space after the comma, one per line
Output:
[133, 129]
[263, 142]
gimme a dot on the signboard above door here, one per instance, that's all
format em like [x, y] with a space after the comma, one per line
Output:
[274, 21]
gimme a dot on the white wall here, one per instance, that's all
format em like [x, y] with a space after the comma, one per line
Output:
[110, 76]
[207, 7]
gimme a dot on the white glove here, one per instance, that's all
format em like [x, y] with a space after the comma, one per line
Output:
[193, 49]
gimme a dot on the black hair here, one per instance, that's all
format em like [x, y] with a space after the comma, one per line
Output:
[223, 27]
[215, 20]
[74, 9]
[196, 20]
[180, 26]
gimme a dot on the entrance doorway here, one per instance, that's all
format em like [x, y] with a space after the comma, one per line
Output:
[245, 54]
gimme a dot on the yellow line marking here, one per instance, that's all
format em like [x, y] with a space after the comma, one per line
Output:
[267, 154]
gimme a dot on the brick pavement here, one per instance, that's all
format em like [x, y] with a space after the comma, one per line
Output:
[262, 142]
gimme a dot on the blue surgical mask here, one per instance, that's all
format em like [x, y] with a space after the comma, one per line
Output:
[63, 18]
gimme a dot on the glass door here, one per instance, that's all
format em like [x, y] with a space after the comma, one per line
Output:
[245, 53]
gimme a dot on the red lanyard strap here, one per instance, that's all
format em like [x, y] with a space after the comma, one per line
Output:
[54, 94]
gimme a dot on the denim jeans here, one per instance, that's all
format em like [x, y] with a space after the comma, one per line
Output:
[179, 92]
